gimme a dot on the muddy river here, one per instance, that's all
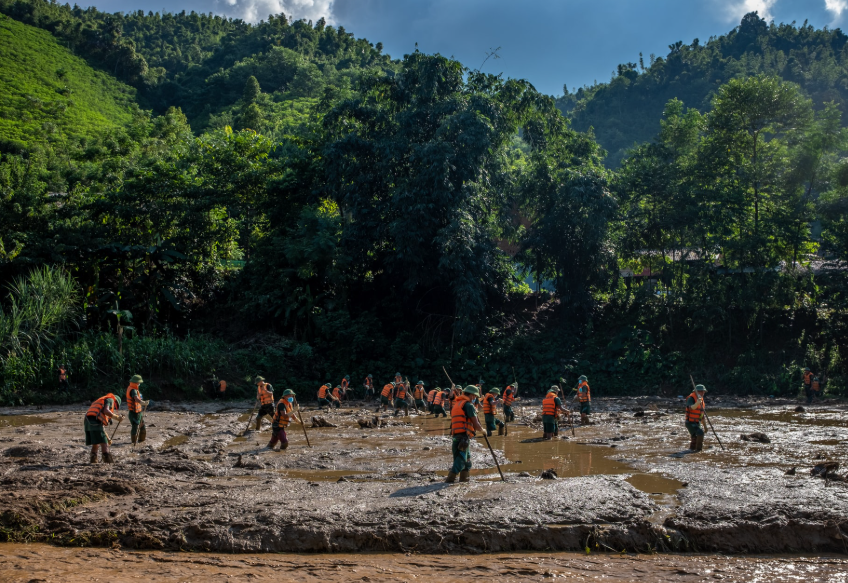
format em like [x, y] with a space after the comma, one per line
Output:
[203, 496]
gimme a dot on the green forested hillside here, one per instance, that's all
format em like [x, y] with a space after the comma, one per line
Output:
[627, 110]
[201, 62]
[49, 94]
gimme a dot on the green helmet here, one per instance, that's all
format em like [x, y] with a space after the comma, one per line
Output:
[439, 389]
[259, 380]
[806, 369]
[347, 377]
[471, 390]
[136, 379]
[288, 392]
[701, 388]
[420, 382]
[553, 389]
[495, 391]
[397, 374]
[582, 378]
[117, 399]
[370, 376]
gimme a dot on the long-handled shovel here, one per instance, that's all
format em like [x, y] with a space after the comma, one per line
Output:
[493, 456]
[708, 419]
[243, 433]
[143, 411]
[299, 416]
[414, 404]
[115, 431]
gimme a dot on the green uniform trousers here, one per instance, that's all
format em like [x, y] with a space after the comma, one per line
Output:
[461, 459]
[549, 423]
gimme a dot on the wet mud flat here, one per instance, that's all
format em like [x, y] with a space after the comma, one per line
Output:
[21, 563]
[626, 483]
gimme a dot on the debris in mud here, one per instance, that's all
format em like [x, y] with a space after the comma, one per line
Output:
[826, 470]
[790, 472]
[370, 423]
[321, 422]
[639, 413]
[758, 437]
[27, 451]
[549, 475]
[800, 409]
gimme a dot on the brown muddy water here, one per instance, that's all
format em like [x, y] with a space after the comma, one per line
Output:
[627, 482]
[21, 563]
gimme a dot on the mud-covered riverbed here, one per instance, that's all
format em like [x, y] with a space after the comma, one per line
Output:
[625, 483]
[38, 562]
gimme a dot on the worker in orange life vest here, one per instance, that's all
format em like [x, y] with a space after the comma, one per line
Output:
[585, 398]
[99, 415]
[508, 399]
[135, 405]
[695, 408]
[490, 411]
[439, 399]
[64, 369]
[385, 396]
[345, 385]
[283, 415]
[265, 396]
[464, 426]
[551, 407]
[337, 395]
[369, 387]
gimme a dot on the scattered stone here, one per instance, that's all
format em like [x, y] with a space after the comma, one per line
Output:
[524, 475]
[549, 475]
[343, 479]
[790, 472]
[321, 422]
[759, 437]
[239, 463]
[639, 413]
[800, 409]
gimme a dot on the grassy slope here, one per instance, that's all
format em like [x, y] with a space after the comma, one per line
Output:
[46, 92]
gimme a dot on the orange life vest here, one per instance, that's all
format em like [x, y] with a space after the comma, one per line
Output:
[418, 393]
[322, 392]
[815, 385]
[387, 390]
[439, 398]
[583, 395]
[133, 403]
[265, 396]
[222, 386]
[694, 413]
[345, 384]
[808, 377]
[97, 408]
[62, 374]
[459, 422]
[549, 406]
[431, 395]
[490, 404]
[401, 392]
[281, 419]
[369, 384]
[509, 396]
[336, 392]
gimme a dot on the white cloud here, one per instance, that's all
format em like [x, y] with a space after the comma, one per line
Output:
[256, 10]
[836, 7]
[736, 9]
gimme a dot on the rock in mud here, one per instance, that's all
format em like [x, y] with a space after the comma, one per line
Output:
[790, 472]
[548, 475]
[758, 437]
[800, 409]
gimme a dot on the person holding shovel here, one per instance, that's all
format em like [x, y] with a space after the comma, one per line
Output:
[490, 411]
[419, 393]
[584, 396]
[551, 407]
[369, 388]
[439, 402]
[508, 399]
[283, 415]
[135, 405]
[97, 418]
[464, 426]
[695, 408]
[265, 396]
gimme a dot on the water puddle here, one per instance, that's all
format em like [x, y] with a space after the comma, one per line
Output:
[324, 475]
[23, 420]
[175, 441]
[818, 418]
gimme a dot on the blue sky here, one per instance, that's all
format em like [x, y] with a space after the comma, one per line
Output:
[548, 42]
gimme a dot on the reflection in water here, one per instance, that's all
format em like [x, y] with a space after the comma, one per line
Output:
[22, 420]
